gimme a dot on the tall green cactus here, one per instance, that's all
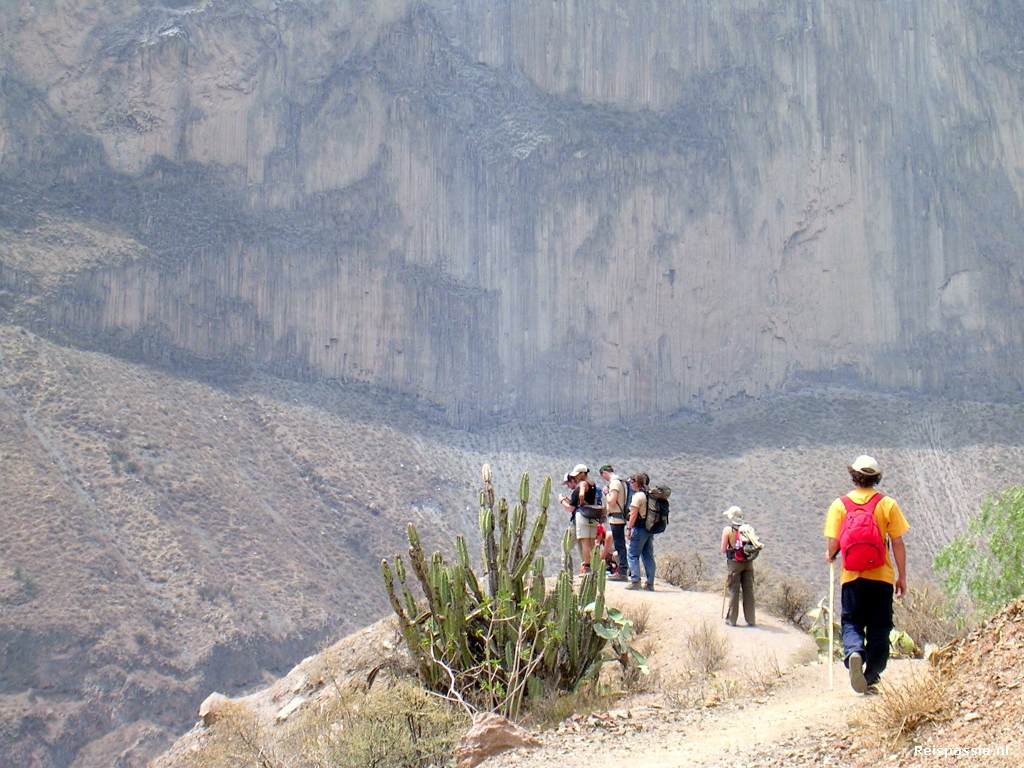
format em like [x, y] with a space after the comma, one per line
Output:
[516, 640]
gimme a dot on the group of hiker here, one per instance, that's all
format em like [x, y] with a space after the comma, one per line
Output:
[624, 505]
[863, 527]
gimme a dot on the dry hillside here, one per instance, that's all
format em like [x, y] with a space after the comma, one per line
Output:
[769, 705]
[163, 537]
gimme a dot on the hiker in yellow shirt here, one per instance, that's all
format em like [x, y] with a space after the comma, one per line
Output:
[859, 525]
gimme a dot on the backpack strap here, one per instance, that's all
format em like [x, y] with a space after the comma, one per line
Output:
[869, 505]
[647, 505]
[621, 496]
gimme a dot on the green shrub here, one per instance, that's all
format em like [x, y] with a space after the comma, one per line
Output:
[820, 617]
[499, 641]
[985, 565]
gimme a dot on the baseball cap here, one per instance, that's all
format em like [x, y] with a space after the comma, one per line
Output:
[866, 465]
[579, 469]
[606, 468]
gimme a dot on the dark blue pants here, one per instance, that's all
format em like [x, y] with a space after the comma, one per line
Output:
[867, 621]
[619, 537]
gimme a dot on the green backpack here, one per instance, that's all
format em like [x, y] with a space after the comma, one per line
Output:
[657, 509]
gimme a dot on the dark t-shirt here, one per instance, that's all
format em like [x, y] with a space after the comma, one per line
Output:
[589, 498]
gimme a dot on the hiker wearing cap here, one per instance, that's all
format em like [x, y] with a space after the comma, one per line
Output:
[857, 526]
[583, 492]
[641, 541]
[615, 501]
[739, 570]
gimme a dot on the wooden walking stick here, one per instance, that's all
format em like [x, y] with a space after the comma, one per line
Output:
[831, 623]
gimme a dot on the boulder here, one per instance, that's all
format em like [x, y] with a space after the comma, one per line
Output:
[489, 735]
[211, 705]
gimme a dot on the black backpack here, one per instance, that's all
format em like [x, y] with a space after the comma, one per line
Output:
[657, 509]
[594, 511]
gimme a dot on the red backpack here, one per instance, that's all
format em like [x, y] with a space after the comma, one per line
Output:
[860, 540]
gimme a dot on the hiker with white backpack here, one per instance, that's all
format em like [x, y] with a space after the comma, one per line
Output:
[857, 527]
[741, 546]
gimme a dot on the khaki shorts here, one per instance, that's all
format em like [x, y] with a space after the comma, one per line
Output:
[585, 529]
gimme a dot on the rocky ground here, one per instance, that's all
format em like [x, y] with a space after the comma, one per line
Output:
[800, 722]
[983, 717]
[781, 713]
[769, 706]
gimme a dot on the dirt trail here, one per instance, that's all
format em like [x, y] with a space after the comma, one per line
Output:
[796, 722]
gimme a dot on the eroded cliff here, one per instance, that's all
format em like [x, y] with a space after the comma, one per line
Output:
[583, 209]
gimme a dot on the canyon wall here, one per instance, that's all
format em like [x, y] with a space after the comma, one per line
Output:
[582, 209]
[575, 210]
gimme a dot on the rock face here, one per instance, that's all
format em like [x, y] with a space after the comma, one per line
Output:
[574, 210]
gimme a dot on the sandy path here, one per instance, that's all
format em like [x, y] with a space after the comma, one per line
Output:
[797, 722]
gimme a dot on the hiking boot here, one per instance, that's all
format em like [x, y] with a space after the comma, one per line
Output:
[730, 623]
[618, 577]
[871, 690]
[650, 586]
[857, 679]
[634, 585]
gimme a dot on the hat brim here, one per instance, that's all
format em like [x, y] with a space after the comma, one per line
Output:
[866, 471]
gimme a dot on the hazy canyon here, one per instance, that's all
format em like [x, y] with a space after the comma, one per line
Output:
[277, 276]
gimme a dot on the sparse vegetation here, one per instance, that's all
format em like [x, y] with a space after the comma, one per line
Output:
[787, 596]
[690, 690]
[763, 674]
[550, 711]
[640, 616]
[393, 726]
[687, 570]
[901, 708]
[926, 615]
[708, 648]
[235, 739]
[985, 566]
